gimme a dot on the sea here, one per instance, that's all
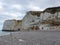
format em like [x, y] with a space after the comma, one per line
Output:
[2, 33]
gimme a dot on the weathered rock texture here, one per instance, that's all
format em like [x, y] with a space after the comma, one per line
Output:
[49, 19]
[12, 25]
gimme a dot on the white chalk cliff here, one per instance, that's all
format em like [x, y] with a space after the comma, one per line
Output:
[49, 19]
[12, 25]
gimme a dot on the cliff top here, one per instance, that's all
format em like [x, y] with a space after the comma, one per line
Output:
[52, 10]
[35, 13]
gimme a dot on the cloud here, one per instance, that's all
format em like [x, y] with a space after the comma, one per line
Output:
[15, 15]
[16, 6]
[1, 8]
[33, 7]
[43, 4]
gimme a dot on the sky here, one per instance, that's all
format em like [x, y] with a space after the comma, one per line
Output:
[16, 9]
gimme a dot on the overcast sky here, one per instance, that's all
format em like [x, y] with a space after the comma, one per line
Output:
[16, 9]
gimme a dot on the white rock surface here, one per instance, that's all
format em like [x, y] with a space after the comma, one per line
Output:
[12, 25]
[33, 20]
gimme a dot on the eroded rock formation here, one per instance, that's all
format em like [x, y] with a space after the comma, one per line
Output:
[49, 19]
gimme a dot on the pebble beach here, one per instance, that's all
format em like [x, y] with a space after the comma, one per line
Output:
[31, 38]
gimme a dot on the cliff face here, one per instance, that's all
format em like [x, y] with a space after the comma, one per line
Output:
[31, 19]
[48, 19]
[44, 20]
[12, 25]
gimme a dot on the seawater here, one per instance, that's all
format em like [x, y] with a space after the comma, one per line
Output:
[2, 33]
